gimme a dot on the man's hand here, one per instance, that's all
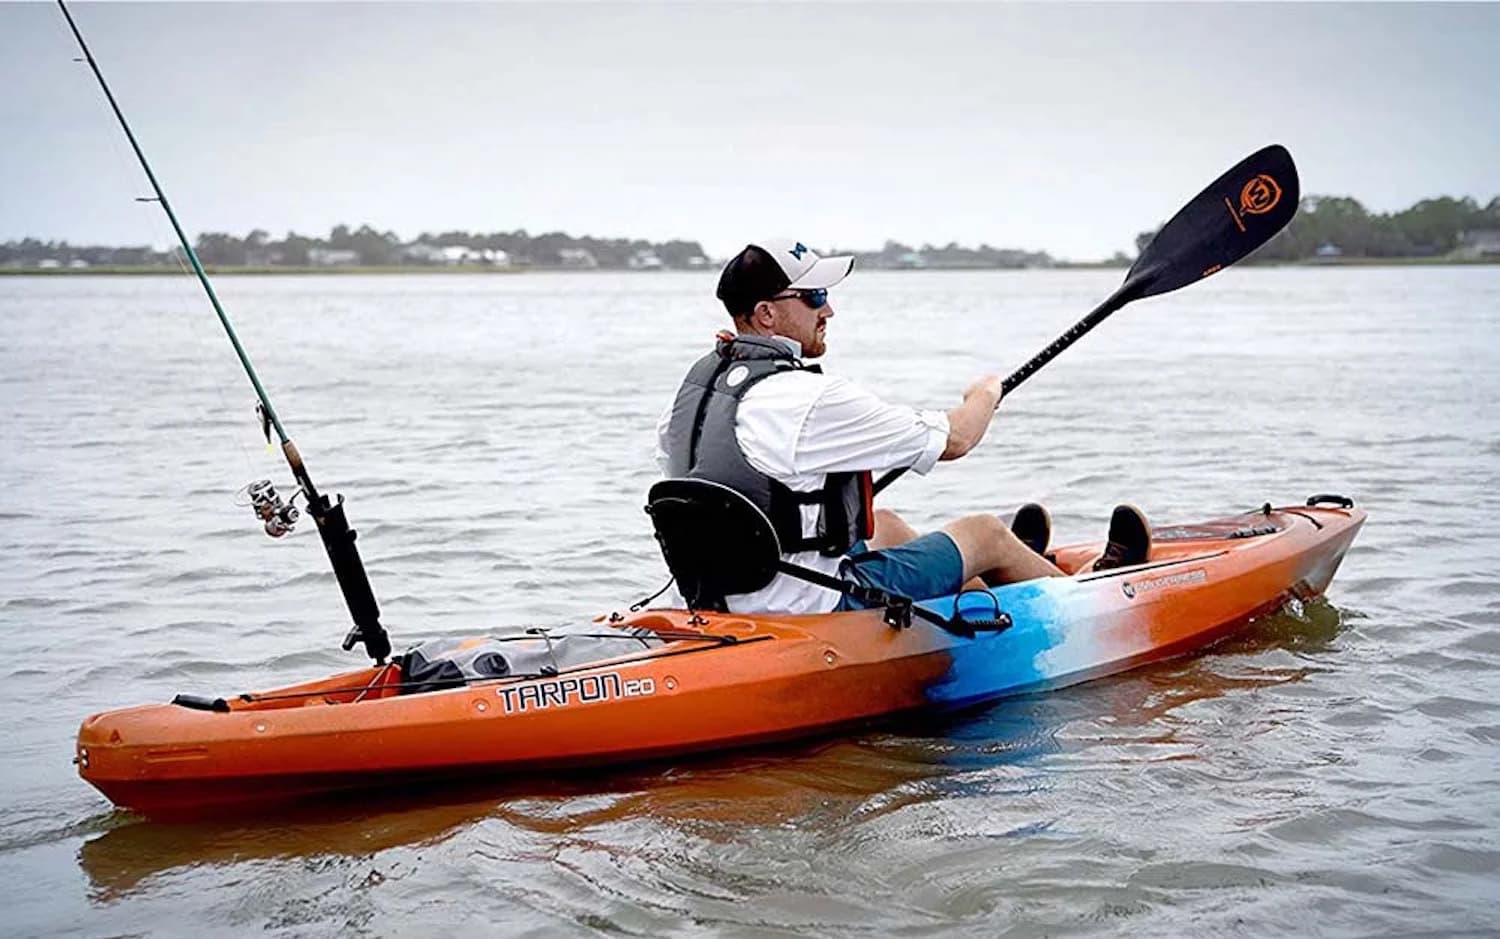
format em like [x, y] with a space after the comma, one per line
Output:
[968, 422]
[990, 386]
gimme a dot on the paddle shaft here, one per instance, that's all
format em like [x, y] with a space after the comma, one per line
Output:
[1075, 332]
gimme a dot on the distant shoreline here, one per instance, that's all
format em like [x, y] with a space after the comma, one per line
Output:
[161, 270]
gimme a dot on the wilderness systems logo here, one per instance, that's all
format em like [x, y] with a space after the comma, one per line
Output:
[1132, 588]
[1259, 196]
[562, 692]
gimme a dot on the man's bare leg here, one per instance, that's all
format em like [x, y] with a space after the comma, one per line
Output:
[890, 530]
[993, 553]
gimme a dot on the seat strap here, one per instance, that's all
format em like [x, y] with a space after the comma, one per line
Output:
[898, 609]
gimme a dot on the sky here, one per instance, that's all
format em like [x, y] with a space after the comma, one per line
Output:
[1064, 128]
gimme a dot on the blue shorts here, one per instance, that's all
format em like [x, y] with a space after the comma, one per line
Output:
[929, 566]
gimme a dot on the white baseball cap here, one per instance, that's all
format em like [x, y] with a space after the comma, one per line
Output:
[747, 278]
[804, 269]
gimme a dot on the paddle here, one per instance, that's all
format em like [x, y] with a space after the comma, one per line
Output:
[1236, 214]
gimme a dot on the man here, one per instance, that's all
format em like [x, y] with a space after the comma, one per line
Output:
[804, 446]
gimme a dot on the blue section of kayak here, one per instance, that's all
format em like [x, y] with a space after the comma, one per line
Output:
[1048, 638]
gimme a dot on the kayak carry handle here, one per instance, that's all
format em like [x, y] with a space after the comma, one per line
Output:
[1343, 502]
[198, 703]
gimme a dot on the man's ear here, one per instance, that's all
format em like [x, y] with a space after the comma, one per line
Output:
[763, 314]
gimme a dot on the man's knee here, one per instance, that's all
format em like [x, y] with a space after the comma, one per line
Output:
[983, 528]
[885, 517]
[981, 540]
[890, 530]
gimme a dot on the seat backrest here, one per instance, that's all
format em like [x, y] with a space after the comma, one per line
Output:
[715, 541]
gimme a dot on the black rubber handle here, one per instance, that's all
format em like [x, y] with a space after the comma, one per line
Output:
[1343, 502]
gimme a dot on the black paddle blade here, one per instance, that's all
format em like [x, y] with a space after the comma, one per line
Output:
[1236, 214]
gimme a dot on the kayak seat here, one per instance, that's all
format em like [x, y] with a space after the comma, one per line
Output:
[716, 542]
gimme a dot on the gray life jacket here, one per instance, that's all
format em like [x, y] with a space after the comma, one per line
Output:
[701, 444]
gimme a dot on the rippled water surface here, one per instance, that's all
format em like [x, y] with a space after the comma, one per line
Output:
[1334, 769]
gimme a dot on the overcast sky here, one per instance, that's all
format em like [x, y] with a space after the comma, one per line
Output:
[1060, 128]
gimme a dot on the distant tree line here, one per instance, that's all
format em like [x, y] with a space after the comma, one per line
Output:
[899, 256]
[1339, 226]
[1325, 227]
[367, 247]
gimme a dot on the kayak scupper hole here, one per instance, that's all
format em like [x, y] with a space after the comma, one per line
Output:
[829, 657]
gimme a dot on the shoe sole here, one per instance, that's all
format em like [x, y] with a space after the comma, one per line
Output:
[1032, 524]
[1128, 527]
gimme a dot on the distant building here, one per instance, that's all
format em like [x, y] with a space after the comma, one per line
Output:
[420, 252]
[332, 257]
[911, 260]
[49, 263]
[78, 263]
[581, 258]
[644, 260]
[1480, 243]
[1329, 250]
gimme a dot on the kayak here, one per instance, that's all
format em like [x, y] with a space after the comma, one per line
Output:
[714, 681]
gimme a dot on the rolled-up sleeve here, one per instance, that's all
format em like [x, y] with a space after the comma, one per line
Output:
[848, 429]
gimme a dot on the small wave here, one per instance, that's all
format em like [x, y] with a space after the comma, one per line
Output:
[1460, 860]
[1470, 587]
[1373, 585]
[113, 606]
[34, 603]
[1446, 706]
[1483, 643]
[1485, 733]
[1203, 875]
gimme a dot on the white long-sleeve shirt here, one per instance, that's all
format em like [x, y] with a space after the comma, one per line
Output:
[799, 426]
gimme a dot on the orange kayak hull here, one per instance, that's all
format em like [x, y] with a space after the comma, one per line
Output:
[722, 681]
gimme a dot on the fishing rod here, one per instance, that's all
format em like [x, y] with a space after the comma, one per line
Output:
[279, 516]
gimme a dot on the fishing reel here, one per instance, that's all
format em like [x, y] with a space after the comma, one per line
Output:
[279, 515]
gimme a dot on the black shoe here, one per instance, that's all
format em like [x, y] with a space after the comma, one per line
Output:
[1129, 539]
[1033, 526]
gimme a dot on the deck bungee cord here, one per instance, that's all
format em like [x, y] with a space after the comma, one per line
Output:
[278, 515]
[703, 642]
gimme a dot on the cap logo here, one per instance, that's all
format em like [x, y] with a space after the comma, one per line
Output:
[798, 250]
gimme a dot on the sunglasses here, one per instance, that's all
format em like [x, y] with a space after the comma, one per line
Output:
[813, 298]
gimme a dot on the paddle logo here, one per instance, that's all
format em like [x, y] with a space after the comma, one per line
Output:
[1259, 196]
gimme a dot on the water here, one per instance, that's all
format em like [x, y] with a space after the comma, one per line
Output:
[1332, 770]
